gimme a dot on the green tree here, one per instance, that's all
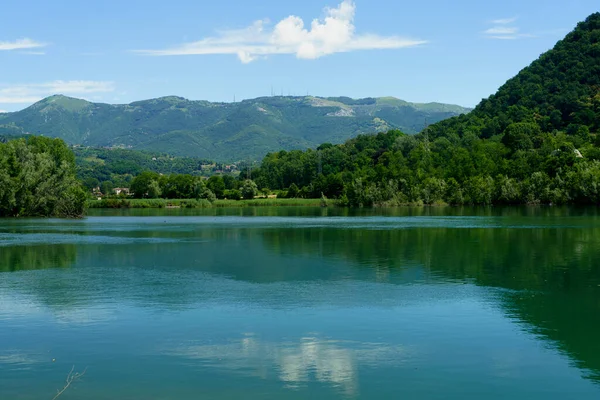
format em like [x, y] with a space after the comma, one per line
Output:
[140, 185]
[249, 189]
[217, 185]
[233, 194]
[230, 182]
[201, 191]
[107, 187]
[37, 178]
[518, 136]
[154, 191]
[293, 191]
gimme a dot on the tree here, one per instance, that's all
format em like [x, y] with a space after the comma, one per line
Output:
[217, 185]
[233, 194]
[179, 186]
[37, 178]
[230, 182]
[154, 191]
[293, 191]
[201, 191]
[249, 189]
[107, 187]
[518, 136]
[91, 183]
[140, 185]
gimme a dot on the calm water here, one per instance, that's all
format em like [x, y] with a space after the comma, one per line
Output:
[297, 303]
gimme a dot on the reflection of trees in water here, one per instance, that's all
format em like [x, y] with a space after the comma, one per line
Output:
[553, 273]
[17, 258]
[542, 258]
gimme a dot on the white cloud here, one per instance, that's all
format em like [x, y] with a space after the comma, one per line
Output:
[30, 93]
[20, 44]
[504, 21]
[18, 99]
[3, 111]
[504, 29]
[335, 33]
[34, 53]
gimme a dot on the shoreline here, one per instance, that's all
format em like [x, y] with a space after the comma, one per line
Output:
[127, 203]
[202, 203]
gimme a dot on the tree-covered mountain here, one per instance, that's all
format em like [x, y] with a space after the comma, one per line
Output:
[560, 91]
[221, 131]
[535, 141]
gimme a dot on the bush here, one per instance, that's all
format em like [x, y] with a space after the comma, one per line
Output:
[233, 194]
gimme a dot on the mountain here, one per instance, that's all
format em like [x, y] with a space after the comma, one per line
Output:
[221, 131]
[560, 91]
[536, 141]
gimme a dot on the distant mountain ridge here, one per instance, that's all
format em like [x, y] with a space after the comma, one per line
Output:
[221, 131]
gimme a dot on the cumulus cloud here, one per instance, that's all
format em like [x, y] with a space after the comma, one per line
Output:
[335, 33]
[505, 29]
[30, 93]
[20, 44]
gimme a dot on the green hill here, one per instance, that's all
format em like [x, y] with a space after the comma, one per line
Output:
[220, 131]
[560, 91]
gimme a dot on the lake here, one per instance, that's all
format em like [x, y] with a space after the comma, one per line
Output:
[296, 303]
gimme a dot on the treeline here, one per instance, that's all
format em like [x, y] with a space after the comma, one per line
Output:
[150, 185]
[37, 178]
[396, 169]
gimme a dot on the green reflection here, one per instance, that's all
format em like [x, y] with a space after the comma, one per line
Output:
[552, 274]
[18, 258]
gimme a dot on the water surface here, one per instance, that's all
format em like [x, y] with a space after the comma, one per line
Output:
[290, 303]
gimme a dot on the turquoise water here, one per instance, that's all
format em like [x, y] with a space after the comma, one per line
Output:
[290, 303]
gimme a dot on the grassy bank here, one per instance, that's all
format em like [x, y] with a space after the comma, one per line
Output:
[192, 203]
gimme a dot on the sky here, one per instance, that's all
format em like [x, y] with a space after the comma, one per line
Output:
[116, 51]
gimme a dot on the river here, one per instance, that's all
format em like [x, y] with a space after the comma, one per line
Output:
[296, 303]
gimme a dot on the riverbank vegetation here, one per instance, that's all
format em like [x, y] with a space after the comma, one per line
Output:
[37, 178]
[202, 203]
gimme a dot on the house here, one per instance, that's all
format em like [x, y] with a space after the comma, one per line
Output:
[118, 191]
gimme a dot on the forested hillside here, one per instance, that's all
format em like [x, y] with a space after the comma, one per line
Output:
[534, 141]
[220, 131]
[558, 92]
[110, 168]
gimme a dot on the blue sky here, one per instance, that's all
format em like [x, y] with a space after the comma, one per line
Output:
[122, 51]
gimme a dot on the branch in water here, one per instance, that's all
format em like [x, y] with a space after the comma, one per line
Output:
[72, 377]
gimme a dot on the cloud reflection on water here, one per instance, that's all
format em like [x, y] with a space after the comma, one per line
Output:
[298, 363]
